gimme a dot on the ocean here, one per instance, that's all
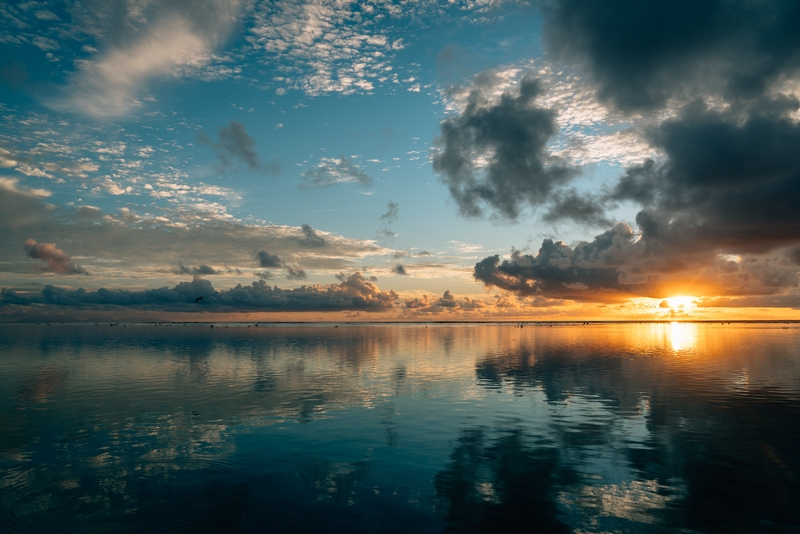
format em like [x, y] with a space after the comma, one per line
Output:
[600, 427]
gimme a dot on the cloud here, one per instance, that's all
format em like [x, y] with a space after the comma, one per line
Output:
[295, 273]
[572, 205]
[310, 237]
[199, 270]
[57, 260]
[727, 180]
[236, 148]
[392, 212]
[332, 46]
[180, 38]
[641, 56]
[446, 303]
[265, 259]
[399, 269]
[20, 205]
[590, 271]
[391, 215]
[354, 293]
[717, 103]
[149, 242]
[332, 171]
[621, 264]
[494, 154]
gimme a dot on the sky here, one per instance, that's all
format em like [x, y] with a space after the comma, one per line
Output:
[210, 160]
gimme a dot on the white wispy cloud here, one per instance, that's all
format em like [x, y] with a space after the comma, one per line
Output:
[175, 43]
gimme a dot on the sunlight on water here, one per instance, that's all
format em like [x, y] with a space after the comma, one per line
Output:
[398, 428]
[682, 336]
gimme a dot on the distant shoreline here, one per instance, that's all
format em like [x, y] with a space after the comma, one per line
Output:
[389, 323]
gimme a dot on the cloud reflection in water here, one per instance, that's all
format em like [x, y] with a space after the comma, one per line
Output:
[654, 427]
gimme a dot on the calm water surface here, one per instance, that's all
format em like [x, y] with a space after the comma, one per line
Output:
[400, 428]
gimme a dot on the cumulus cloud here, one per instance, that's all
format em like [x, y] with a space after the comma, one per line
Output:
[494, 154]
[620, 264]
[399, 269]
[559, 271]
[56, 259]
[236, 148]
[332, 171]
[717, 214]
[446, 303]
[354, 293]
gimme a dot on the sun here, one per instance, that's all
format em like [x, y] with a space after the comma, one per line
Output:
[681, 302]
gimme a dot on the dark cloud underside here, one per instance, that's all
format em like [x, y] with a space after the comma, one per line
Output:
[354, 293]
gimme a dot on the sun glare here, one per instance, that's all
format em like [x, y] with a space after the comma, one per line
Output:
[681, 302]
[682, 336]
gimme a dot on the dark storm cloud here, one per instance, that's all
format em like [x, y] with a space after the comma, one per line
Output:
[236, 148]
[265, 259]
[199, 270]
[399, 269]
[726, 186]
[642, 54]
[56, 259]
[310, 237]
[583, 209]
[730, 181]
[512, 136]
[354, 293]
[335, 171]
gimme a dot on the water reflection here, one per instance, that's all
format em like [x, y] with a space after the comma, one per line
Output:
[502, 485]
[617, 428]
[682, 336]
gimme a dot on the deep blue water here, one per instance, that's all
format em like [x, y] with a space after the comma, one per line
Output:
[400, 428]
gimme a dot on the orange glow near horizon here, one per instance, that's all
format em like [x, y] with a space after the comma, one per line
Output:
[683, 302]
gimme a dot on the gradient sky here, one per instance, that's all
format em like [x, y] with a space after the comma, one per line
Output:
[411, 160]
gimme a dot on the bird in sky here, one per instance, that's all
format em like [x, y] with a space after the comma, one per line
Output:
[198, 299]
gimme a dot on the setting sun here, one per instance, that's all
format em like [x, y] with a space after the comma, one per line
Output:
[685, 303]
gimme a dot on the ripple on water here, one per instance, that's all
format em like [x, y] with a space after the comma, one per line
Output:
[143, 496]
